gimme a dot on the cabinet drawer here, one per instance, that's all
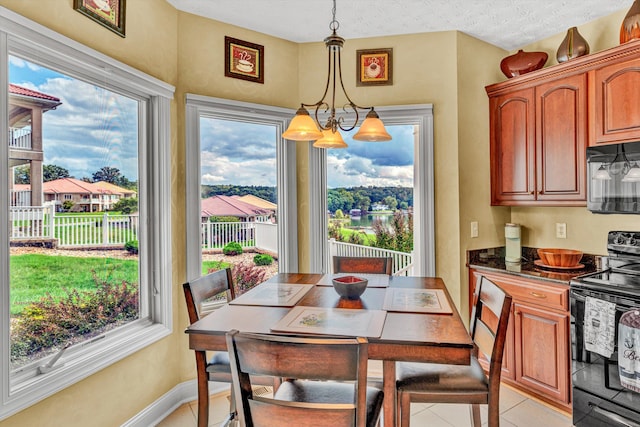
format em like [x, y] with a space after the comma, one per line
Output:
[551, 296]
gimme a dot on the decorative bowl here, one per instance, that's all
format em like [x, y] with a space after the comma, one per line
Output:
[350, 287]
[559, 257]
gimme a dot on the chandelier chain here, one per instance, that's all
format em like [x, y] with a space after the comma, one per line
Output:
[334, 24]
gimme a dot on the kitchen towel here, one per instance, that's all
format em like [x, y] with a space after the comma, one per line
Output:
[599, 326]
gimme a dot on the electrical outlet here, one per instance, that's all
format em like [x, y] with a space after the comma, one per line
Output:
[474, 228]
[561, 230]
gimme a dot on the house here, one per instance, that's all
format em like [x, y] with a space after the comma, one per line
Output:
[217, 206]
[26, 107]
[448, 69]
[260, 203]
[85, 196]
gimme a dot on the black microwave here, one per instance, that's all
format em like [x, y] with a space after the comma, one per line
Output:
[613, 178]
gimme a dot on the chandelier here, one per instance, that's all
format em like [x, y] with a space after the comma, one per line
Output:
[305, 128]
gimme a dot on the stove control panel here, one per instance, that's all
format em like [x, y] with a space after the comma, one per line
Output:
[624, 242]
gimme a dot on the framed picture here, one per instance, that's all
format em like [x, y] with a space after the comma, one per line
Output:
[243, 60]
[109, 13]
[375, 67]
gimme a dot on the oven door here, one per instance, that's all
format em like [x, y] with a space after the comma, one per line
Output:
[598, 397]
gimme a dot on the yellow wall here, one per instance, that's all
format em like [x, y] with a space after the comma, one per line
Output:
[585, 231]
[446, 69]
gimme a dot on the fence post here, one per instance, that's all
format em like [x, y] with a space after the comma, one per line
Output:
[52, 221]
[105, 228]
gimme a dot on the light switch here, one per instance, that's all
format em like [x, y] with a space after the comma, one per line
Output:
[474, 228]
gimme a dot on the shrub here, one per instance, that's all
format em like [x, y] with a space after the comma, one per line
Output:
[246, 276]
[224, 219]
[263, 259]
[131, 247]
[232, 248]
[49, 323]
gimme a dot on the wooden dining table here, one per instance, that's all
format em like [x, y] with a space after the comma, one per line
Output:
[405, 336]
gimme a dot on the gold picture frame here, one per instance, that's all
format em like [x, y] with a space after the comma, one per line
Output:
[375, 67]
[243, 60]
[108, 13]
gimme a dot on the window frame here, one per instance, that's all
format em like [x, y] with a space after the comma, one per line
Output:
[420, 115]
[198, 106]
[24, 38]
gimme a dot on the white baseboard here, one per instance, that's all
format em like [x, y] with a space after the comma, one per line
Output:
[182, 393]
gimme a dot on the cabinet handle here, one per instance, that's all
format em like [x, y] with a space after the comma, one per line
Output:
[532, 192]
[537, 295]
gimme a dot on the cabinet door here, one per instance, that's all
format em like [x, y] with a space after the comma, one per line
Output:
[541, 341]
[561, 141]
[616, 106]
[512, 147]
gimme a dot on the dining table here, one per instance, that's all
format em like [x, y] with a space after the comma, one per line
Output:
[398, 331]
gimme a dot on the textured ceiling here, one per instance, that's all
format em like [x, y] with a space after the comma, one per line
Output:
[508, 24]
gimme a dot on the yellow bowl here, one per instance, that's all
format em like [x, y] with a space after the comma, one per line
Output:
[559, 257]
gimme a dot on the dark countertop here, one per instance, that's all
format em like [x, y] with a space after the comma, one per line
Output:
[492, 259]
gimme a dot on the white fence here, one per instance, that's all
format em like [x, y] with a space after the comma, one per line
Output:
[402, 261]
[267, 236]
[215, 235]
[73, 231]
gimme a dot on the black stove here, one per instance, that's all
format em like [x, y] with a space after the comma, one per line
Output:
[598, 302]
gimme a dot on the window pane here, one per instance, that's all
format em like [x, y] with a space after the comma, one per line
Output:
[370, 196]
[238, 199]
[74, 211]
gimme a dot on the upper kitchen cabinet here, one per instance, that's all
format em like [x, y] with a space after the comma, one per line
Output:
[538, 141]
[616, 90]
[542, 122]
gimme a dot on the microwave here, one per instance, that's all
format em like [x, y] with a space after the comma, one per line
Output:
[613, 178]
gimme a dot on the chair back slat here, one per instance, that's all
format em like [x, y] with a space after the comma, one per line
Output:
[364, 265]
[206, 287]
[484, 338]
[271, 412]
[324, 359]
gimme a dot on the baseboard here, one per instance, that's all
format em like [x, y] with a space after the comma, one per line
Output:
[182, 393]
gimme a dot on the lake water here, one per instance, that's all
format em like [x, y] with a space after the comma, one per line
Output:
[366, 221]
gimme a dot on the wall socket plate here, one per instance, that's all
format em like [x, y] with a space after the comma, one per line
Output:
[474, 228]
[561, 230]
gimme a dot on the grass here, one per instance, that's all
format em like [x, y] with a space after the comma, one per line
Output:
[369, 239]
[35, 275]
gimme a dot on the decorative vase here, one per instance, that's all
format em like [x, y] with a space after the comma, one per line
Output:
[522, 62]
[630, 28]
[573, 46]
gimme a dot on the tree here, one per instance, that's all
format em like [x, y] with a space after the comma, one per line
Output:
[392, 202]
[107, 174]
[126, 206]
[53, 172]
[22, 175]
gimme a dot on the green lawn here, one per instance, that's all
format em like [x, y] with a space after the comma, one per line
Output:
[35, 275]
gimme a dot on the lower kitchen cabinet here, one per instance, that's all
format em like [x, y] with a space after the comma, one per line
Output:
[537, 355]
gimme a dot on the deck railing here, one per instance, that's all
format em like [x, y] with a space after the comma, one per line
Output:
[402, 261]
[20, 138]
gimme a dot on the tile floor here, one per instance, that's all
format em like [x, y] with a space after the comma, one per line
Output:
[516, 411]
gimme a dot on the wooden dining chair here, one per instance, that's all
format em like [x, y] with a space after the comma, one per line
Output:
[218, 368]
[441, 383]
[364, 265]
[329, 389]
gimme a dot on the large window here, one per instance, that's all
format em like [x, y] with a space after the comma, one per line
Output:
[85, 264]
[240, 189]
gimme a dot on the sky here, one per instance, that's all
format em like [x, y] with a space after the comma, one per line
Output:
[245, 154]
[92, 128]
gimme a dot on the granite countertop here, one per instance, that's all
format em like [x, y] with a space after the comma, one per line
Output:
[493, 259]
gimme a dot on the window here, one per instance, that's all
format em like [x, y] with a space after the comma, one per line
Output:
[420, 118]
[127, 96]
[235, 143]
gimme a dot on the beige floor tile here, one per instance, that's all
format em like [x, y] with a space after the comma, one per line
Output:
[457, 415]
[218, 408]
[531, 413]
[429, 418]
[181, 417]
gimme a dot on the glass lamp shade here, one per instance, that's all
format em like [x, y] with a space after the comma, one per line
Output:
[372, 129]
[330, 139]
[602, 174]
[302, 127]
[633, 175]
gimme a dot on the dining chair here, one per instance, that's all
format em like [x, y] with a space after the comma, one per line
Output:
[442, 383]
[217, 368]
[330, 386]
[364, 265]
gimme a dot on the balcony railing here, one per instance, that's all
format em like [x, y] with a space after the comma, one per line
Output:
[402, 261]
[20, 138]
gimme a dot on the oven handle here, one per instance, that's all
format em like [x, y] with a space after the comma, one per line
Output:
[623, 421]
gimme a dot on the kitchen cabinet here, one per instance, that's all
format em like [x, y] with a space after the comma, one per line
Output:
[542, 122]
[617, 110]
[538, 142]
[537, 356]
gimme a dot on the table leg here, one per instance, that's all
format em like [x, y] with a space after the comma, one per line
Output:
[389, 388]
